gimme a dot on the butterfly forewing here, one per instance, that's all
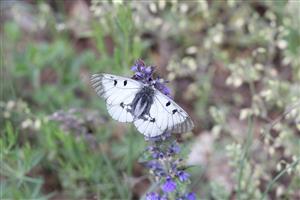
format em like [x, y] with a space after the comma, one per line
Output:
[118, 93]
[174, 118]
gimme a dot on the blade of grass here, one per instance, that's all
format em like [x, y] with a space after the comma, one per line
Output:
[277, 177]
[130, 154]
[245, 154]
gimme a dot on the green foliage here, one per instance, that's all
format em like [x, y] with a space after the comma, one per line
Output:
[16, 164]
[119, 25]
[70, 158]
[218, 191]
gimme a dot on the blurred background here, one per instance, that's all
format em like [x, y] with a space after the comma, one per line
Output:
[234, 66]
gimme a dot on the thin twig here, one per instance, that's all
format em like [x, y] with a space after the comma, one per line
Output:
[279, 118]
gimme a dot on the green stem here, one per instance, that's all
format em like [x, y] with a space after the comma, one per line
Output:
[244, 155]
[272, 182]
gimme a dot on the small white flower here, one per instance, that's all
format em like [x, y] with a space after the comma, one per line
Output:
[191, 50]
[26, 123]
[282, 44]
[10, 104]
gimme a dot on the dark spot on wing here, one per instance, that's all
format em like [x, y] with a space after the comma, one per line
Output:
[152, 120]
[125, 82]
[174, 111]
[122, 104]
[115, 82]
[168, 103]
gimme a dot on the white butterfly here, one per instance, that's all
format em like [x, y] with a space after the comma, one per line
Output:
[152, 112]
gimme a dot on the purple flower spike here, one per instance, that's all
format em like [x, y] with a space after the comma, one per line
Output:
[152, 196]
[144, 74]
[183, 176]
[165, 166]
[169, 185]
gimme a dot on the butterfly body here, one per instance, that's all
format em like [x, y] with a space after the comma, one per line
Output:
[152, 112]
[142, 102]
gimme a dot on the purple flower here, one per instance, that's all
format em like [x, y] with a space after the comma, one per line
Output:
[138, 66]
[151, 148]
[149, 70]
[154, 151]
[169, 185]
[152, 196]
[183, 176]
[144, 74]
[156, 168]
[174, 149]
[154, 165]
[190, 196]
[160, 85]
[155, 155]
[134, 68]
[161, 155]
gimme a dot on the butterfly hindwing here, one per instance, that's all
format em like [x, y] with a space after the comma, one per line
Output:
[148, 126]
[165, 115]
[118, 93]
